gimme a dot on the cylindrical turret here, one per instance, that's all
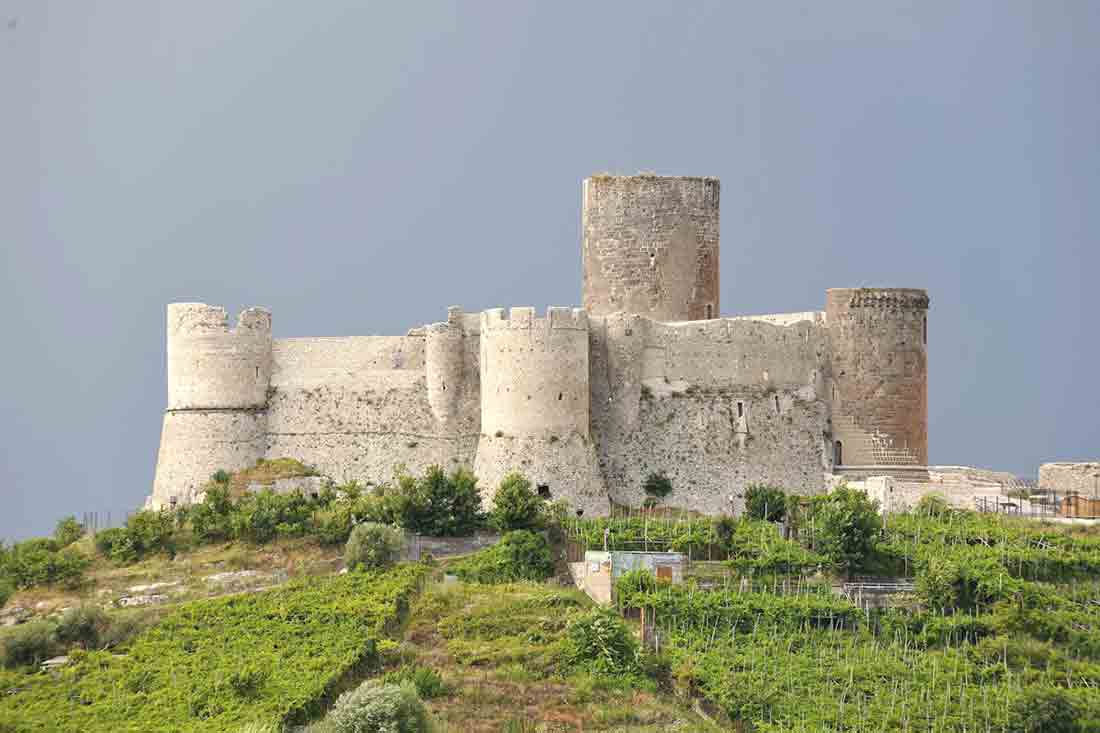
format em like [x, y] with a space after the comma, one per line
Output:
[535, 405]
[879, 345]
[651, 246]
[217, 397]
[445, 365]
[213, 366]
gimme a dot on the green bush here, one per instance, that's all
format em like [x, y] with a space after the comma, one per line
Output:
[428, 683]
[7, 589]
[520, 555]
[847, 525]
[151, 532]
[515, 505]
[29, 643]
[1045, 710]
[379, 708]
[767, 503]
[212, 519]
[657, 486]
[435, 504]
[39, 562]
[68, 531]
[371, 546]
[221, 476]
[84, 626]
[601, 642]
[265, 515]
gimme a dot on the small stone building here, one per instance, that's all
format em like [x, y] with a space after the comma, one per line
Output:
[596, 576]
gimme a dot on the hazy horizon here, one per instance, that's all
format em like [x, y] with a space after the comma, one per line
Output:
[357, 168]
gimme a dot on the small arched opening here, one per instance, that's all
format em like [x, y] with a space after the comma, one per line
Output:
[838, 453]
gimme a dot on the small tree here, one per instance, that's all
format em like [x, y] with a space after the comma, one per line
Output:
[515, 505]
[656, 486]
[768, 503]
[847, 527]
[68, 531]
[435, 504]
[372, 545]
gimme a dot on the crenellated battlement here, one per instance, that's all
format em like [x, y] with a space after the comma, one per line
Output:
[887, 298]
[200, 319]
[523, 318]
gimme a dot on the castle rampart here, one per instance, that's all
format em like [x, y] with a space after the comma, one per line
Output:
[585, 403]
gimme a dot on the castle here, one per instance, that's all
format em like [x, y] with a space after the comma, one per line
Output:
[646, 377]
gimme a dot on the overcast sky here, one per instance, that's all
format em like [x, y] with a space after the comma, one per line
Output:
[357, 167]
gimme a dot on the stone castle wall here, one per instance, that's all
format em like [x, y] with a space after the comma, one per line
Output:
[1071, 478]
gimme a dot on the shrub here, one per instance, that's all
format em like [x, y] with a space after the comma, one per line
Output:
[768, 503]
[601, 642]
[426, 680]
[221, 476]
[68, 531]
[372, 545]
[657, 486]
[151, 532]
[435, 504]
[932, 505]
[211, 520]
[29, 643]
[37, 562]
[847, 527]
[520, 555]
[7, 589]
[265, 515]
[516, 506]
[1045, 710]
[83, 626]
[379, 708]
[105, 540]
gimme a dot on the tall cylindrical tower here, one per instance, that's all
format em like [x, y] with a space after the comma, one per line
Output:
[218, 379]
[879, 395]
[651, 246]
[535, 405]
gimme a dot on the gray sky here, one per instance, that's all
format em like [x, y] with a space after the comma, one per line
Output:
[357, 167]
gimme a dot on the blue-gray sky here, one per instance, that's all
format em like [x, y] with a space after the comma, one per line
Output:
[357, 167]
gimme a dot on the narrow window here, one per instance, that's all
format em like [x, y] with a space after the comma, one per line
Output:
[740, 409]
[257, 372]
[838, 453]
[444, 386]
[559, 396]
[777, 404]
[710, 311]
[544, 491]
[924, 329]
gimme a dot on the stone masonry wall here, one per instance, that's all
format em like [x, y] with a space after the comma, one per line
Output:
[717, 405]
[651, 246]
[1066, 478]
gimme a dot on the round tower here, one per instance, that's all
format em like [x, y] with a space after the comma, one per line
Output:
[535, 405]
[651, 246]
[218, 379]
[445, 365]
[879, 365]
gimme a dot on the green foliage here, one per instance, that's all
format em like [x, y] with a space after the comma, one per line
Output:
[657, 485]
[83, 626]
[600, 642]
[1045, 710]
[435, 504]
[428, 683]
[262, 516]
[519, 555]
[212, 519]
[515, 505]
[767, 503]
[29, 643]
[7, 588]
[218, 664]
[380, 708]
[847, 525]
[40, 562]
[146, 533]
[372, 546]
[221, 476]
[67, 531]
[756, 548]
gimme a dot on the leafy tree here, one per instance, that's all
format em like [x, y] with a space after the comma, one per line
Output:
[28, 644]
[847, 525]
[38, 562]
[83, 625]
[768, 503]
[211, 519]
[68, 531]
[601, 642]
[435, 504]
[516, 506]
[372, 545]
[1045, 710]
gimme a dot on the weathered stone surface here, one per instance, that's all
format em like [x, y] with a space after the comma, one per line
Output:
[1067, 478]
[586, 403]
